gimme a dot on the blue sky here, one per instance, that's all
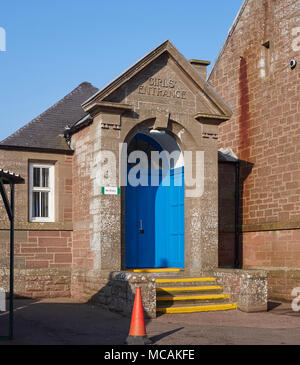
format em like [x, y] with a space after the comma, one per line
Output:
[52, 46]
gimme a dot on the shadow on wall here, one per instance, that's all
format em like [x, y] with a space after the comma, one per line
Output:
[118, 294]
[232, 177]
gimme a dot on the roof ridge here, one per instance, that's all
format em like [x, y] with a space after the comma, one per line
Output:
[37, 119]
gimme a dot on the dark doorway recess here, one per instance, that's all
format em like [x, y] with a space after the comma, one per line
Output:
[232, 174]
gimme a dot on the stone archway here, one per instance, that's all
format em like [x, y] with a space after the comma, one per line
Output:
[154, 201]
[184, 141]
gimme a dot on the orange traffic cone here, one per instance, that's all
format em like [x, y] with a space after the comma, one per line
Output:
[137, 333]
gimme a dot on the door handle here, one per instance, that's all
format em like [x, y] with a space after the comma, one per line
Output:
[141, 226]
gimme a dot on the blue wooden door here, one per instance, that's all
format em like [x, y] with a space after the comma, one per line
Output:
[155, 222]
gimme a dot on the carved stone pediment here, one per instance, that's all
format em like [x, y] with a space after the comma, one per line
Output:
[165, 80]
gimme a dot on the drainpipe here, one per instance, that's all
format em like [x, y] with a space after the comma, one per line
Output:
[11, 266]
[237, 262]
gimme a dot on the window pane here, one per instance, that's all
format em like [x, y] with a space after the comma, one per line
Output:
[36, 176]
[45, 177]
[44, 204]
[36, 204]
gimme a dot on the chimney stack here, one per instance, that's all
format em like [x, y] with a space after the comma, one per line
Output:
[200, 66]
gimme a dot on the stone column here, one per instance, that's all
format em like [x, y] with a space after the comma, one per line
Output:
[106, 212]
[202, 211]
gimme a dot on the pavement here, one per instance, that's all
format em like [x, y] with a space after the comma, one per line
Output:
[67, 322]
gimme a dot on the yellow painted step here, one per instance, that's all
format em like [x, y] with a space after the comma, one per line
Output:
[188, 288]
[155, 270]
[194, 297]
[194, 309]
[184, 280]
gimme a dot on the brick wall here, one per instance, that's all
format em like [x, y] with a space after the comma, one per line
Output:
[43, 261]
[46, 249]
[282, 281]
[43, 251]
[38, 283]
[272, 249]
[263, 91]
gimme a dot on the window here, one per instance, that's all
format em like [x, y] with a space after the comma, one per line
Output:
[41, 190]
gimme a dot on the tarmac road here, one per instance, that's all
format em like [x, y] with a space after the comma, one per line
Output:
[66, 322]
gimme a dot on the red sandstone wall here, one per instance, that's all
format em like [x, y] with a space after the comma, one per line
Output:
[43, 251]
[46, 249]
[264, 94]
[273, 248]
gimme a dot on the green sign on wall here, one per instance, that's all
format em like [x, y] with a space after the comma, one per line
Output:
[110, 190]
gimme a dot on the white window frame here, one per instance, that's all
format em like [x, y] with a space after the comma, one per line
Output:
[50, 189]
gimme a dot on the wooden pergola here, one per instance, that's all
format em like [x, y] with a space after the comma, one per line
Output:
[10, 178]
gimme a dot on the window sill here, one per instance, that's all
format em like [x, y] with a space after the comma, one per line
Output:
[42, 221]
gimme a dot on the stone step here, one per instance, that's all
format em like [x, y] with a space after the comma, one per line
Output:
[196, 308]
[186, 294]
[205, 281]
[192, 300]
[189, 289]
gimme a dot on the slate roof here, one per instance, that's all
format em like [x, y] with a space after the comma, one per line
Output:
[46, 131]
